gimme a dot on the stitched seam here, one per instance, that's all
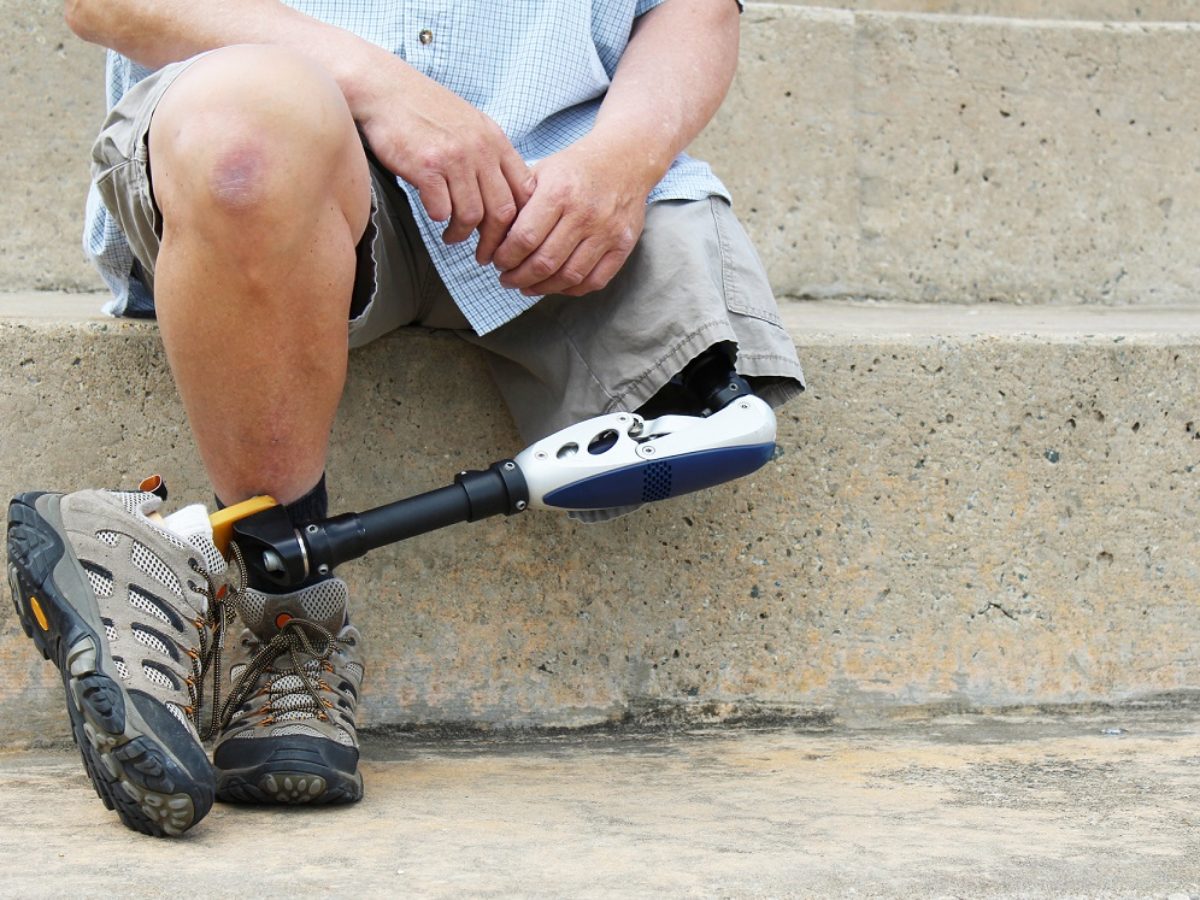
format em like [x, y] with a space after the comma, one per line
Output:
[658, 364]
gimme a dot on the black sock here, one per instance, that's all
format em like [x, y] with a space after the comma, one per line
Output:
[312, 506]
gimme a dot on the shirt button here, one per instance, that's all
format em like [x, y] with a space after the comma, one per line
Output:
[426, 36]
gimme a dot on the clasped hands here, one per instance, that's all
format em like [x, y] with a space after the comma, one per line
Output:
[563, 226]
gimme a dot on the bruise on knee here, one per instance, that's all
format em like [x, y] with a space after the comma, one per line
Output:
[238, 178]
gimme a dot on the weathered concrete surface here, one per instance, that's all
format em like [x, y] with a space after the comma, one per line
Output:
[936, 158]
[52, 105]
[909, 157]
[943, 808]
[1087, 10]
[974, 506]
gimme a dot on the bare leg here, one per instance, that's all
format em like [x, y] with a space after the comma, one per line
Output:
[264, 189]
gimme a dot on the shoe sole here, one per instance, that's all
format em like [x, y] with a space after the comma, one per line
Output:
[293, 772]
[135, 772]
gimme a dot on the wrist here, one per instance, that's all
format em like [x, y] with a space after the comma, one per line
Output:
[637, 159]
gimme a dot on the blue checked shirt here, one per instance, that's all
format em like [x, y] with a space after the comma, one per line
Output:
[538, 68]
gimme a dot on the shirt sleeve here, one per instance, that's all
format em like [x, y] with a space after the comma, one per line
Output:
[644, 6]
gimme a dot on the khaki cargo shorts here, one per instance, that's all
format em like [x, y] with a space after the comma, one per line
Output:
[693, 281]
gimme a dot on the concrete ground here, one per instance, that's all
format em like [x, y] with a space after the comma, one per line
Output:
[1096, 803]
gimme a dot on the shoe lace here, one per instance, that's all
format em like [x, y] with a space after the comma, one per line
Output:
[296, 639]
[220, 591]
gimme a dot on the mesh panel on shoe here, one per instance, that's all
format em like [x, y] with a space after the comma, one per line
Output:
[144, 602]
[214, 562]
[144, 559]
[110, 630]
[284, 730]
[324, 600]
[157, 676]
[355, 669]
[122, 669]
[251, 606]
[292, 714]
[293, 703]
[153, 641]
[108, 537]
[134, 500]
[100, 579]
[137, 503]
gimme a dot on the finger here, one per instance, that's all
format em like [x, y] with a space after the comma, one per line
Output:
[520, 178]
[435, 197]
[499, 212]
[530, 230]
[546, 259]
[467, 209]
[574, 271]
[604, 272]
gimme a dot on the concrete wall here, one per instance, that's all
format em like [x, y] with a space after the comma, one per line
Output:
[974, 507]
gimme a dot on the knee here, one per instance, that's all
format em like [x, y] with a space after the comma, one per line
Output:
[248, 132]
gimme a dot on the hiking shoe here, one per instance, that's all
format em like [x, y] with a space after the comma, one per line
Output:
[295, 674]
[125, 606]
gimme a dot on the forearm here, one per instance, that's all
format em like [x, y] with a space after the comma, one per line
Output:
[670, 82]
[157, 32]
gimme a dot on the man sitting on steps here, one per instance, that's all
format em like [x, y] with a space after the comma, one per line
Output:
[280, 183]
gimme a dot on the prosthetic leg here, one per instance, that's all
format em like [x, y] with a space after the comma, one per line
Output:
[615, 460]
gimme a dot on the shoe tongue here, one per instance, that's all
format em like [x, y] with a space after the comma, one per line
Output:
[323, 603]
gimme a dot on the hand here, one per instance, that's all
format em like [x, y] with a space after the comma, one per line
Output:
[582, 222]
[462, 164]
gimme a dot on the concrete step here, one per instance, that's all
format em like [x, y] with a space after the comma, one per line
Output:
[1099, 805]
[909, 157]
[972, 507]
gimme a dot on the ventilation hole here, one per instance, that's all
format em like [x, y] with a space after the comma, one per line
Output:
[144, 559]
[100, 579]
[602, 442]
[656, 482]
[108, 537]
[155, 640]
[110, 630]
[122, 669]
[160, 676]
[155, 606]
[354, 670]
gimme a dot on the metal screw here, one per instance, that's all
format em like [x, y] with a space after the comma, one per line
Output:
[509, 466]
[541, 454]
[648, 451]
[520, 505]
[322, 569]
[312, 529]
